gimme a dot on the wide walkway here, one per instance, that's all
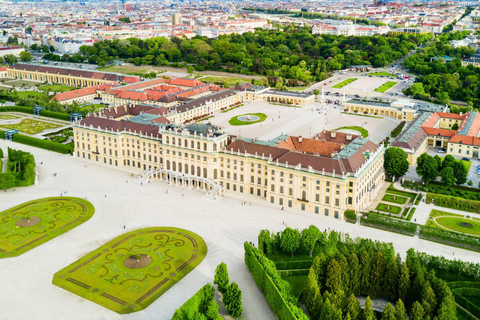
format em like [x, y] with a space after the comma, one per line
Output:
[224, 224]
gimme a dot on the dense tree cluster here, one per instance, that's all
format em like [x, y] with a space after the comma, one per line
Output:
[372, 270]
[232, 296]
[20, 170]
[444, 80]
[451, 171]
[201, 306]
[293, 53]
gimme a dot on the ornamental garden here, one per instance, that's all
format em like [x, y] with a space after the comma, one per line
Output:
[33, 223]
[131, 271]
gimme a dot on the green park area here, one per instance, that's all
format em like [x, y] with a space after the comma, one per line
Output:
[131, 271]
[21, 83]
[394, 198]
[124, 69]
[388, 208]
[33, 223]
[56, 88]
[382, 74]
[31, 126]
[232, 81]
[31, 94]
[384, 87]
[362, 131]
[246, 119]
[344, 83]
[61, 136]
[8, 117]
[453, 222]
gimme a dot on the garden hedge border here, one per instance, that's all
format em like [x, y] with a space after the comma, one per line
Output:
[453, 202]
[464, 302]
[389, 224]
[455, 239]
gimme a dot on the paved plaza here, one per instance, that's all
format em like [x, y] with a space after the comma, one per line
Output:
[224, 224]
[305, 121]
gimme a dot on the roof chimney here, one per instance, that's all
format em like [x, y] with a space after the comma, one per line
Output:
[300, 139]
[333, 134]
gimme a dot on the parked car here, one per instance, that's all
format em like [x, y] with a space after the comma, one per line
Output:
[441, 150]
[465, 159]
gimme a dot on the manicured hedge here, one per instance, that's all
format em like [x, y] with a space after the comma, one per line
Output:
[198, 304]
[453, 202]
[55, 115]
[17, 109]
[398, 129]
[1, 153]
[451, 238]
[44, 144]
[296, 272]
[276, 290]
[350, 216]
[295, 264]
[2, 134]
[381, 222]
[465, 314]
[459, 294]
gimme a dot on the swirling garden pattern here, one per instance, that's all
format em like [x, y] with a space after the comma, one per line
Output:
[131, 271]
[33, 223]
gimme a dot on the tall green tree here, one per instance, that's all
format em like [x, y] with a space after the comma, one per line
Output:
[221, 278]
[400, 312]
[395, 162]
[290, 240]
[312, 290]
[388, 312]
[353, 307]
[448, 176]
[404, 283]
[418, 313]
[460, 172]
[429, 300]
[427, 168]
[333, 281]
[233, 300]
[368, 313]
[310, 237]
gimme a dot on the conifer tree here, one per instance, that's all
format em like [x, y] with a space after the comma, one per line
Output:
[354, 269]
[404, 283]
[388, 312]
[400, 313]
[353, 307]
[311, 291]
[221, 278]
[417, 311]
[333, 281]
[429, 300]
[368, 313]
[233, 300]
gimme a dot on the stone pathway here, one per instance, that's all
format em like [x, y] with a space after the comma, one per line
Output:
[381, 194]
[4, 163]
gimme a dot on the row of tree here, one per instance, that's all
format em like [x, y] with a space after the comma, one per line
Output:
[293, 53]
[451, 171]
[232, 296]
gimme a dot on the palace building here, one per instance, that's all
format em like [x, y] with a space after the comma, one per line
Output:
[66, 76]
[328, 174]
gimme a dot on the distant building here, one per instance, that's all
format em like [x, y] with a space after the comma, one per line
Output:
[10, 50]
[176, 18]
[349, 30]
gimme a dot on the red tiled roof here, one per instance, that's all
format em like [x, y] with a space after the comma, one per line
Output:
[82, 92]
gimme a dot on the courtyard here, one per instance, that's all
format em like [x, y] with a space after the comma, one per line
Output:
[305, 121]
[122, 202]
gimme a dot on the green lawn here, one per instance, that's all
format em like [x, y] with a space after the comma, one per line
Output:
[384, 87]
[450, 221]
[123, 69]
[31, 94]
[236, 122]
[56, 87]
[388, 208]
[30, 126]
[362, 131]
[467, 164]
[20, 82]
[33, 223]
[392, 190]
[8, 117]
[226, 110]
[131, 271]
[297, 282]
[382, 73]
[394, 198]
[344, 83]
[232, 81]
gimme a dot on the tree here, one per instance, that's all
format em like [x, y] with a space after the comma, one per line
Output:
[429, 300]
[333, 281]
[404, 282]
[353, 307]
[396, 163]
[388, 312]
[400, 312]
[454, 126]
[212, 310]
[427, 168]
[311, 291]
[290, 240]
[368, 313]
[233, 300]
[190, 69]
[448, 161]
[221, 278]
[417, 311]
[10, 59]
[316, 92]
[25, 56]
[310, 237]
[460, 172]
[470, 183]
[448, 177]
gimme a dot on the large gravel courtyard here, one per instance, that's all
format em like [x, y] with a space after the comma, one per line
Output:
[306, 121]
[224, 225]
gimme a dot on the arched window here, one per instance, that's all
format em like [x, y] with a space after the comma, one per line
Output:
[205, 172]
[205, 146]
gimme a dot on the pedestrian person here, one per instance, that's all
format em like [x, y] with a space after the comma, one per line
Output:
[105, 196]
[124, 227]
